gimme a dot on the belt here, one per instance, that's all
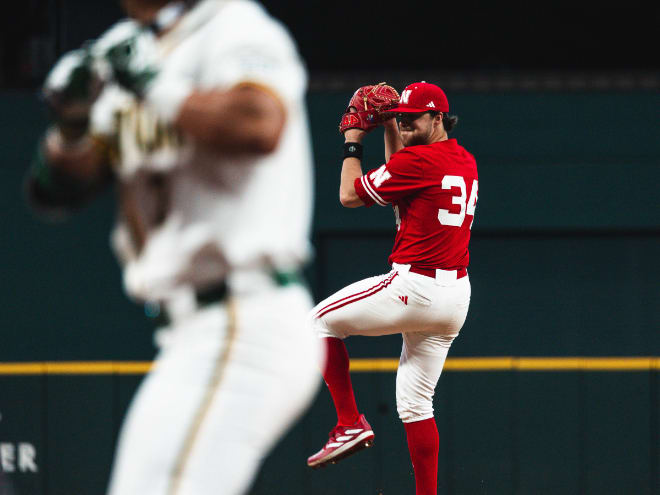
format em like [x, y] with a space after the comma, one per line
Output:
[431, 272]
[209, 295]
[216, 293]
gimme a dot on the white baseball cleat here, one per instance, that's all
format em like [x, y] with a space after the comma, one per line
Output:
[343, 441]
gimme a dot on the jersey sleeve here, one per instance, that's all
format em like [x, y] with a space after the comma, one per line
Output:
[254, 49]
[400, 177]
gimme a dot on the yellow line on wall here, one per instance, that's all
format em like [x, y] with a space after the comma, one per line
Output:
[76, 368]
[523, 364]
[363, 365]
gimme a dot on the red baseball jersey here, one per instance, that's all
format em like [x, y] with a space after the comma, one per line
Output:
[433, 189]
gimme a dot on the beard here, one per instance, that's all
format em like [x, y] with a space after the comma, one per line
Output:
[415, 138]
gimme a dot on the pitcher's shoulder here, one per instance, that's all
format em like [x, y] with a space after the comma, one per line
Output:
[467, 154]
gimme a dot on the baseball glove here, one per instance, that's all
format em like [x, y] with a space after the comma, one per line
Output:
[70, 89]
[367, 106]
[129, 70]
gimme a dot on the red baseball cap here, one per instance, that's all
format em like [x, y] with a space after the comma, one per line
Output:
[422, 97]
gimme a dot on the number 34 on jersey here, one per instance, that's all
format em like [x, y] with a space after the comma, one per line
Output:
[445, 217]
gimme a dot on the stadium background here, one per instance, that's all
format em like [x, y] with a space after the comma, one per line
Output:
[552, 387]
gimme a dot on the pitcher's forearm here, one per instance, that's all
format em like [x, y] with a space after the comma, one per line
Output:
[392, 138]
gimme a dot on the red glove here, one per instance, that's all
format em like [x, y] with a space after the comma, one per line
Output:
[365, 110]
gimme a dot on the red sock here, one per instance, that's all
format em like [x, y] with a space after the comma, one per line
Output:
[423, 444]
[338, 379]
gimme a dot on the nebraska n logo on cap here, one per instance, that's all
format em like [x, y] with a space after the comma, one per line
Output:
[422, 97]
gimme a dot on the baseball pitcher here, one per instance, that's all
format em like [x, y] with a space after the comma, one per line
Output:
[195, 112]
[431, 182]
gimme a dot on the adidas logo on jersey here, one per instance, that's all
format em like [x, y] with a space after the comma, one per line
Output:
[404, 299]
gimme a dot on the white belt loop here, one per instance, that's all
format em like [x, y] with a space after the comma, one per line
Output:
[445, 278]
[402, 269]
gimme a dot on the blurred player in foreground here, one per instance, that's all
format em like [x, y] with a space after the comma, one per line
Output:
[195, 111]
[431, 181]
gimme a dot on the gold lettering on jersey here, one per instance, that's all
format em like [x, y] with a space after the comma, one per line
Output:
[141, 134]
[142, 139]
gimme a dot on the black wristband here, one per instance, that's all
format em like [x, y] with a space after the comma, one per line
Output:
[353, 150]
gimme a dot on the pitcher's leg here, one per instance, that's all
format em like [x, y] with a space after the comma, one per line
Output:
[366, 307]
[349, 310]
[420, 366]
[360, 308]
[423, 444]
[338, 379]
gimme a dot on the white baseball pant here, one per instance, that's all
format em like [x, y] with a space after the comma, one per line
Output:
[227, 383]
[427, 312]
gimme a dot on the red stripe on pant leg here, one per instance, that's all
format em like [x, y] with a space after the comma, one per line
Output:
[386, 284]
[356, 294]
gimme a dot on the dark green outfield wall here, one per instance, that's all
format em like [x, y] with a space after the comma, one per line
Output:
[565, 262]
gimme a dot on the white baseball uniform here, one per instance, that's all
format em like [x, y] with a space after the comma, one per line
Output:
[231, 376]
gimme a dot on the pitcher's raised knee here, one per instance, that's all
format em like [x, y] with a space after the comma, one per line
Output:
[410, 411]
